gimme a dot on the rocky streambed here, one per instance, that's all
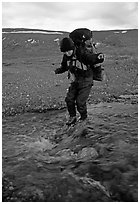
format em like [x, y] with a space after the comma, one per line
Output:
[93, 161]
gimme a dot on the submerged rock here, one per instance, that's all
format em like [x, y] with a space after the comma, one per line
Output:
[87, 153]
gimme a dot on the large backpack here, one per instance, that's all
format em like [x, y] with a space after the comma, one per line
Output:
[82, 37]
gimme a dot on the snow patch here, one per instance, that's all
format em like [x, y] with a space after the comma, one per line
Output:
[124, 31]
[42, 32]
[29, 40]
[33, 41]
[57, 40]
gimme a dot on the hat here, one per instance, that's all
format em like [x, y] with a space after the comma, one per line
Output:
[80, 35]
[66, 44]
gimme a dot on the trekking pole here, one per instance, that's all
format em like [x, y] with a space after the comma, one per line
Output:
[106, 78]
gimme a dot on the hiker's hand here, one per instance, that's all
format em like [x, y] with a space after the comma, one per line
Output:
[100, 56]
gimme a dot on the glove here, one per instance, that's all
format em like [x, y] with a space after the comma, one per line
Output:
[101, 56]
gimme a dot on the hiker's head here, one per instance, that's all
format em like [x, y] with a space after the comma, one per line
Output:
[67, 46]
[80, 35]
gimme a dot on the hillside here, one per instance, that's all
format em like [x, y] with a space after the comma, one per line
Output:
[30, 59]
[30, 42]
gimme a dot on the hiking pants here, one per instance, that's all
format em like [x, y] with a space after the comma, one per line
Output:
[77, 95]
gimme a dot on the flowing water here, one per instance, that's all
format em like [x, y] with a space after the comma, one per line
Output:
[96, 160]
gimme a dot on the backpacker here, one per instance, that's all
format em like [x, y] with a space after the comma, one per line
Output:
[82, 38]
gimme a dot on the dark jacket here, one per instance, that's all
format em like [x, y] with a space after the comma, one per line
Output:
[88, 59]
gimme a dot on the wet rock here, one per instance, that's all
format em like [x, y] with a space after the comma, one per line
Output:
[87, 153]
[101, 149]
[30, 193]
[84, 185]
[65, 153]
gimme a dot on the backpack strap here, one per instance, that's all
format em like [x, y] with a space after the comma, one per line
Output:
[72, 63]
[82, 65]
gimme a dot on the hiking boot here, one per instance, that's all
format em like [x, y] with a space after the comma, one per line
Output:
[72, 120]
[82, 118]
